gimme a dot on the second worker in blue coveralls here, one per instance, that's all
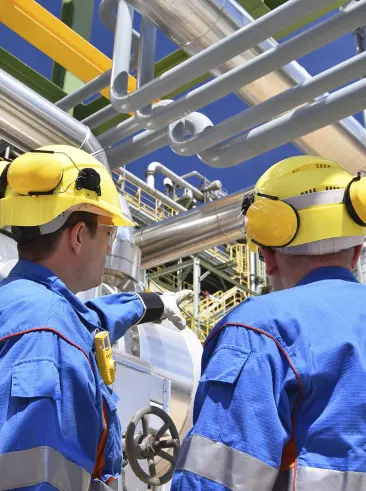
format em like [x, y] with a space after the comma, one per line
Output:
[281, 405]
[59, 427]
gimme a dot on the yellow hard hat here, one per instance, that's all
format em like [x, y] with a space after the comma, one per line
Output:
[303, 200]
[38, 186]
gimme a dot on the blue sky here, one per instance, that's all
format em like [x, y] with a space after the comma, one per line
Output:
[234, 178]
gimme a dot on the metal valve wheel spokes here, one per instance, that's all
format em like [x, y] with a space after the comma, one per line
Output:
[148, 445]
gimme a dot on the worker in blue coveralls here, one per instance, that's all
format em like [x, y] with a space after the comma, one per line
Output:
[59, 427]
[281, 405]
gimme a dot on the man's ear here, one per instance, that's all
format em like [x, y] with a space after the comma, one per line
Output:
[270, 260]
[78, 234]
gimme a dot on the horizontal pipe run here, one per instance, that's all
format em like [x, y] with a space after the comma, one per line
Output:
[124, 173]
[120, 131]
[338, 105]
[136, 147]
[28, 121]
[314, 38]
[100, 117]
[238, 42]
[87, 90]
[336, 76]
[191, 232]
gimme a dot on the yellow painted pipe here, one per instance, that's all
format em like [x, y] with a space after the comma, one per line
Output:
[55, 39]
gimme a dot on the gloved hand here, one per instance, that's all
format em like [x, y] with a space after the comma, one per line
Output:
[171, 302]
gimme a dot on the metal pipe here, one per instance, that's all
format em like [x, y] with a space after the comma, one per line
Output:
[100, 117]
[28, 121]
[154, 192]
[336, 76]
[108, 17]
[215, 20]
[360, 41]
[136, 147]
[98, 83]
[155, 167]
[125, 128]
[314, 38]
[292, 125]
[191, 232]
[146, 61]
[121, 52]
[120, 131]
[240, 41]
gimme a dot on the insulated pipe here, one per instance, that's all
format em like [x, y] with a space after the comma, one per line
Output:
[120, 131]
[98, 83]
[100, 117]
[28, 121]
[240, 41]
[125, 128]
[204, 227]
[155, 167]
[336, 76]
[216, 20]
[292, 125]
[123, 172]
[305, 42]
[136, 147]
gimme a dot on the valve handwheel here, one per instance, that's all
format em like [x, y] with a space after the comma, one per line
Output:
[149, 444]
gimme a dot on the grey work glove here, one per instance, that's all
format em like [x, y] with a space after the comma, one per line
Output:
[171, 302]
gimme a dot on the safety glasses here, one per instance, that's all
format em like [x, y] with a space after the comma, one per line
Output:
[111, 229]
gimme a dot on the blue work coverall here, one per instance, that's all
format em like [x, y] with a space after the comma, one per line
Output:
[281, 405]
[58, 420]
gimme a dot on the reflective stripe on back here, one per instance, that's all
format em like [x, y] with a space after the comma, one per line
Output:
[225, 465]
[41, 465]
[313, 479]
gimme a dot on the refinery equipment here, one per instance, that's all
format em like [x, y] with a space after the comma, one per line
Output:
[189, 232]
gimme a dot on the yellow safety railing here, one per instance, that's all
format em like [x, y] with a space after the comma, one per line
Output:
[144, 201]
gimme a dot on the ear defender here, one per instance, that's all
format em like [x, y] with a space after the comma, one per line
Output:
[355, 200]
[270, 222]
[35, 173]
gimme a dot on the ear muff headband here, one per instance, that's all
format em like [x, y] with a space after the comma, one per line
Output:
[270, 222]
[355, 200]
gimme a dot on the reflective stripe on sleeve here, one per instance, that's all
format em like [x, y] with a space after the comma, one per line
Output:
[99, 486]
[41, 465]
[312, 478]
[225, 465]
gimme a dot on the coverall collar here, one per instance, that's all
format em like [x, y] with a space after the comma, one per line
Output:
[328, 273]
[40, 274]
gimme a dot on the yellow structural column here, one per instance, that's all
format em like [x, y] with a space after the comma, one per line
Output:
[55, 39]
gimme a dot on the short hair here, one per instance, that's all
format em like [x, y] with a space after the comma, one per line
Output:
[35, 247]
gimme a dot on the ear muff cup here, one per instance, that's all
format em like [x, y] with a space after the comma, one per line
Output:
[271, 222]
[35, 173]
[355, 200]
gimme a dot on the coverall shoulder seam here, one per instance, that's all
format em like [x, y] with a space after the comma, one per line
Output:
[50, 329]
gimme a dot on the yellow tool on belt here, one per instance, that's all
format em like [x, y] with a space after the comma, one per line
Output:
[105, 361]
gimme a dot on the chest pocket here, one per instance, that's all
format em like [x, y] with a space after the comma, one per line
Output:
[216, 388]
[109, 463]
[36, 377]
